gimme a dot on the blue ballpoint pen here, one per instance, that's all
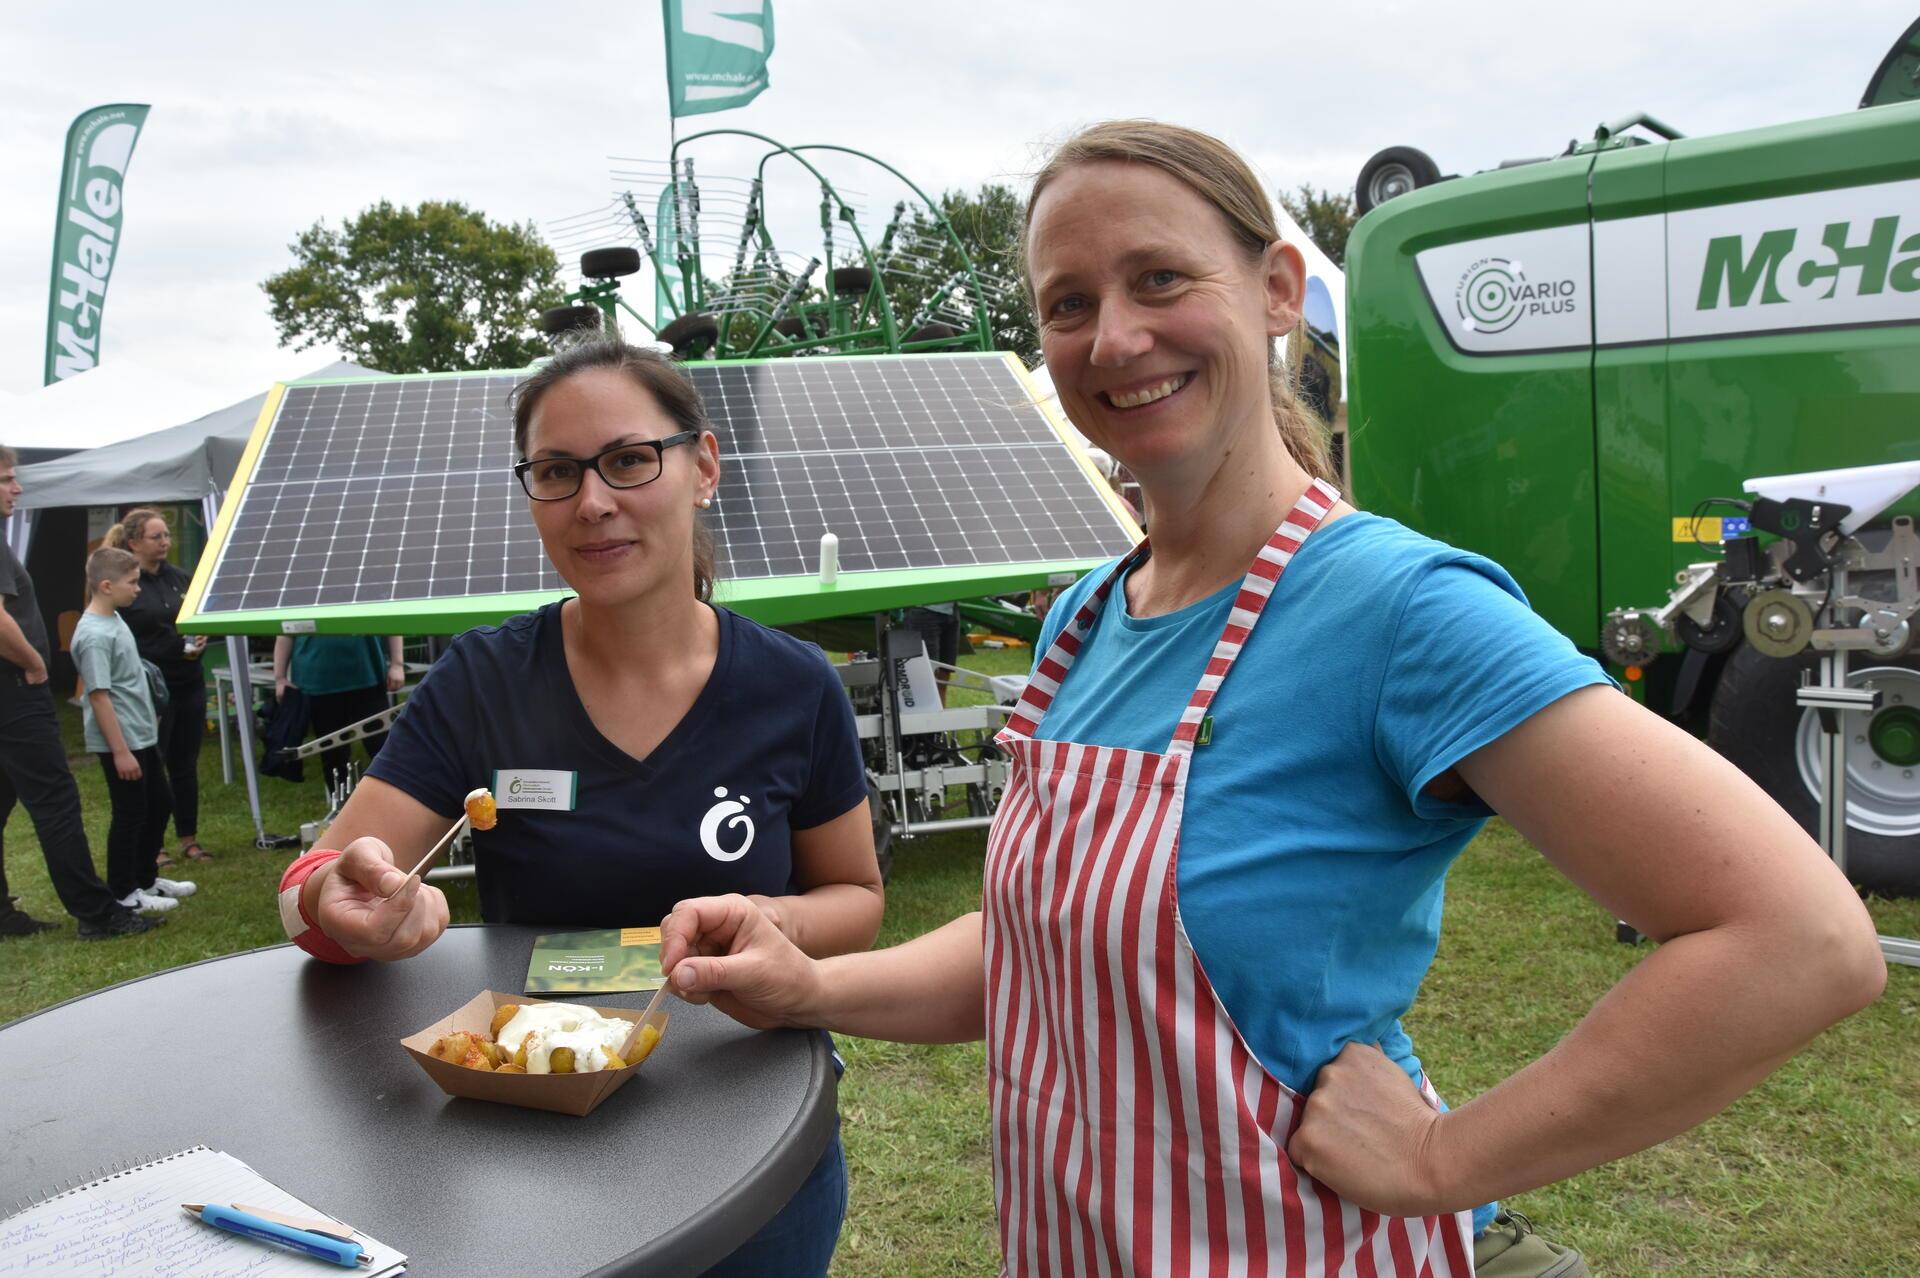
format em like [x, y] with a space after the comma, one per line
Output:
[348, 1255]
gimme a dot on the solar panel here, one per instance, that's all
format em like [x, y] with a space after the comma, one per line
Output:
[392, 499]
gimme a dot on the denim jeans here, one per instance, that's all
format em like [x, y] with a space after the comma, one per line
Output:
[799, 1241]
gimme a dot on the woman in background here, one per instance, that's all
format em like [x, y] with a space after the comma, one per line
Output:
[151, 616]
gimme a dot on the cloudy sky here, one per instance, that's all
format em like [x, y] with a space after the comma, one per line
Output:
[269, 117]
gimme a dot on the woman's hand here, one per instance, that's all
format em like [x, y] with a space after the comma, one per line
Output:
[280, 686]
[727, 950]
[352, 908]
[125, 765]
[1369, 1135]
[396, 677]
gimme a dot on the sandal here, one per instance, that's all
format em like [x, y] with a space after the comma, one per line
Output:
[163, 861]
[194, 852]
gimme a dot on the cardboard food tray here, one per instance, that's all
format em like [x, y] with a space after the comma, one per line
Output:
[576, 1094]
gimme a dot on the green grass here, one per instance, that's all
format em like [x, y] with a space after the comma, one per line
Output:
[1815, 1173]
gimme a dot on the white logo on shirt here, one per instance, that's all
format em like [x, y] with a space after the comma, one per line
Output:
[733, 813]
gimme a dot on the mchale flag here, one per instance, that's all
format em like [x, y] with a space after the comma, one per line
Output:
[99, 148]
[716, 53]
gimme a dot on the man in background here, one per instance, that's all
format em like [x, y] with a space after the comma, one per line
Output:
[33, 763]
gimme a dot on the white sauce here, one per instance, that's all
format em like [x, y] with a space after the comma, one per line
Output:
[564, 1025]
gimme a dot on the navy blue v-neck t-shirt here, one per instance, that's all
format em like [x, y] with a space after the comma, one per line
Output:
[590, 836]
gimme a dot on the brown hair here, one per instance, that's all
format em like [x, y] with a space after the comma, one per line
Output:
[8, 457]
[1212, 170]
[653, 373]
[107, 563]
[132, 526]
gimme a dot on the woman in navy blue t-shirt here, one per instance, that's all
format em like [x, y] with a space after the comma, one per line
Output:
[644, 746]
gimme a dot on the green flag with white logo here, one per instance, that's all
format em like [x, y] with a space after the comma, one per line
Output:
[86, 237]
[717, 53]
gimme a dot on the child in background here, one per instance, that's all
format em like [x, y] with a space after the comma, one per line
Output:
[123, 730]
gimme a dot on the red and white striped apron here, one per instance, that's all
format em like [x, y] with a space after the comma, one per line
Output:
[1134, 1133]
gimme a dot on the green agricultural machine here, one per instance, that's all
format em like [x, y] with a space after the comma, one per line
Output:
[736, 274]
[1673, 385]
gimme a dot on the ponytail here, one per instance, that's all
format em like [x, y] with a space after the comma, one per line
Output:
[132, 524]
[1301, 430]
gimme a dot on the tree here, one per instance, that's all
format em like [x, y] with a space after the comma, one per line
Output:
[988, 227]
[430, 290]
[1326, 216]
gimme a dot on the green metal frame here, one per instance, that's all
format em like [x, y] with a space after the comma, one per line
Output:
[866, 326]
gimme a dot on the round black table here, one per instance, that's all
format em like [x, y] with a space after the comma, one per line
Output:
[294, 1067]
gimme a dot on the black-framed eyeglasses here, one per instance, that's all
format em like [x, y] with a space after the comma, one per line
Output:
[622, 466]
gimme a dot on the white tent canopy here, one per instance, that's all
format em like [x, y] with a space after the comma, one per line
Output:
[117, 400]
[181, 463]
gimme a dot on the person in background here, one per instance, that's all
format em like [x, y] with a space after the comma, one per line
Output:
[346, 679]
[33, 762]
[123, 731]
[183, 723]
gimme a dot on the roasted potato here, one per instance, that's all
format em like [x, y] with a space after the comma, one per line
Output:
[560, 1060]
[504, 1013]
[643, 1046]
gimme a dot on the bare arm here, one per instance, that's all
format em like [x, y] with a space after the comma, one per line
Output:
[109, 722]
[382, 831]
[396, 664]
[932, 989]
[1764, 944]
[15, 648]
[838, 908]
[282, 653]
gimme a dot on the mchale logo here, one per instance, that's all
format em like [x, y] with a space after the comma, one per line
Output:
[1778, 269]
[1494, 294]
[85, 260]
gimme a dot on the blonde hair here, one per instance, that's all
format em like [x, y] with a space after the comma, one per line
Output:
[132, 526]
[107, 564]
[1215, 172]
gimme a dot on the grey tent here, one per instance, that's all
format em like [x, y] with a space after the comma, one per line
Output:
[194, 461]
[188, 462]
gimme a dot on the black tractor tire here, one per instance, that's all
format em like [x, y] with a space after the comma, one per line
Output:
[1755, 725]
[853, 280]
[933, 332]
[690, 331]
[1391, 173]
[570, 319]
[607, 263]
[882, 829]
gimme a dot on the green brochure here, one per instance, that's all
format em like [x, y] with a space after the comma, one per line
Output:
[615, 961]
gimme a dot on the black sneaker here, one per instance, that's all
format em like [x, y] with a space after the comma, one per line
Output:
[17, 922]
[121, 922]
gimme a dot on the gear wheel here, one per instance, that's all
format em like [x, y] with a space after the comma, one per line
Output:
[1630, 639]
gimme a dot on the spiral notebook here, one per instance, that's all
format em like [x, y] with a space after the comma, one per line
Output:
[128, 1224]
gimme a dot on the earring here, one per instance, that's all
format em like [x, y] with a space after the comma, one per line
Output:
[706, 502]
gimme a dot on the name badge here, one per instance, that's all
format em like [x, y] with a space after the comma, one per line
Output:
[535, 789]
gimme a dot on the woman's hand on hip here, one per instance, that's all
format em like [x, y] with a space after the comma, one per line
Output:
[1369, 1135]
[374, 909]
[728, 951]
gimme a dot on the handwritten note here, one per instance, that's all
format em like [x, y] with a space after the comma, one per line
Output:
[129, 1225]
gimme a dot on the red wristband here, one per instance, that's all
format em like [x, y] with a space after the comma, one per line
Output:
[301, 929]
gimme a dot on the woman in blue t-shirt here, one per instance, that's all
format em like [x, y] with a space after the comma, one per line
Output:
[1239, 772]
[643, 745]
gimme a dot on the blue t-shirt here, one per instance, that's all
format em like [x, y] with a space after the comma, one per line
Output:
[1310, 864]
[767, 748]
